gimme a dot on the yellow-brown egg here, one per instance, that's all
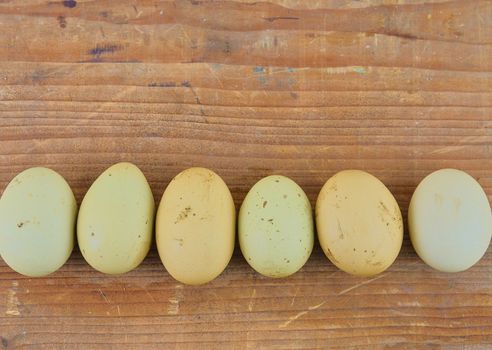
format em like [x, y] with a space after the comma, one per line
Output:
[359, 223]
[195, 226]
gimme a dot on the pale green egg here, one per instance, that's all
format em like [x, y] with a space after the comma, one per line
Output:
[116, 217]
[449, 220]
[276, 233]
[37, 222]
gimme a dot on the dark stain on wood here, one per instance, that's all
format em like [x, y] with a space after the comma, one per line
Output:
[403, 35]
[70, 3]
[164, 84]
[62, 21]
[105, 49]
[277, 18]
[5, 342]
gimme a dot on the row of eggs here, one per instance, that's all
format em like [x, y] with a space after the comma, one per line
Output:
[359, 223]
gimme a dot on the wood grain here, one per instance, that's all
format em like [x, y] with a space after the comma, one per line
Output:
[300, 88]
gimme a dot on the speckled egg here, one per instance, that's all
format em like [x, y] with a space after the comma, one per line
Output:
[115, 223]
[37, 222]
[195, 226]
[359, 223]
[276, 232]
[450, 220]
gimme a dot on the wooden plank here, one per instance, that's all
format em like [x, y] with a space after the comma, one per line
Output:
[300, 88]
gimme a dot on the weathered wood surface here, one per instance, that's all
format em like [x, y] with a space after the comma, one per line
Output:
[300, 88]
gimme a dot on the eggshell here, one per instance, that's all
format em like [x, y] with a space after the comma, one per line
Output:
[450, 220]
[37, 222]
[195, 226]
[359, 223]
[115, 223]
[276, 232]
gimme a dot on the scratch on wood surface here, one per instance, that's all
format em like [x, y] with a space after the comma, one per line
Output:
[175, 300]
[248, 346]
[104, 296]
[242, 98]
[116, 98]
[360, 285]
[294, 296]
[212, 71]
[118, 310]
[271, 71]
[465, 142]
[170, 28]
[414, 303]
[185, 34]
[258, 71]
[300, 314]
[252, 300]
[150, 295]
[448, 149]
[12, 300]
[345, 70]
[401, 313]
[376, 40]
[35, 145]
[138, 29]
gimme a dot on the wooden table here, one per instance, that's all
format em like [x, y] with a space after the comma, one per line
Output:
[248, 89]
